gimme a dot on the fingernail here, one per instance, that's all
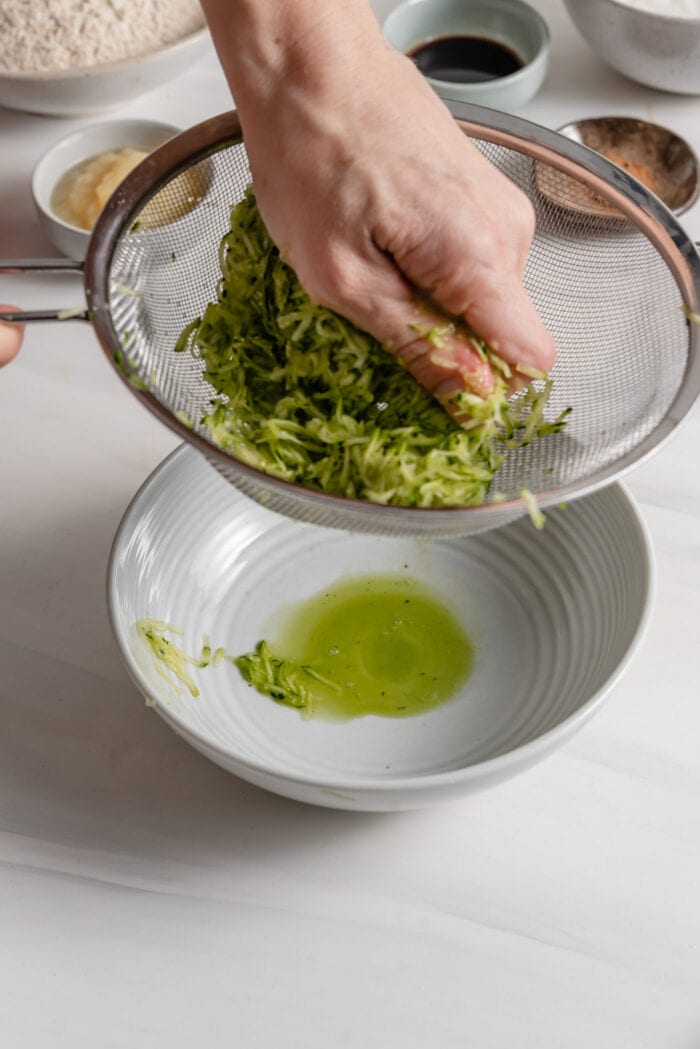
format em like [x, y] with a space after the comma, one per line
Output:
[449, 387]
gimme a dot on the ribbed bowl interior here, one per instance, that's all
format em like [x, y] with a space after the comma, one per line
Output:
[554, 615]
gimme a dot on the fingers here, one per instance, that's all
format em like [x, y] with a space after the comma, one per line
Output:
[438, 351]
[495, 305]
[486, 292]
[10, 338]
[469, 255]
[505, 318]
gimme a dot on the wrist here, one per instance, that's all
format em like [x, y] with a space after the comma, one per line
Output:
[292, 45]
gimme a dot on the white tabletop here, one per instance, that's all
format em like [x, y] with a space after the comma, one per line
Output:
[147, 898]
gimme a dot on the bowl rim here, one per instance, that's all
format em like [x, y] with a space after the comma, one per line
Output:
[478, 88]
[499, 766]
[116, 66]
[678, 20]
[84, 132]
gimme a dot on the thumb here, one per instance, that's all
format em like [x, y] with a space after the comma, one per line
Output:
[440, 352]
[505, 318]
[10, 338]
[485, 288]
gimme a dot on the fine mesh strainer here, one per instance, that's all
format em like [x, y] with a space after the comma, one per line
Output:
[609, 283]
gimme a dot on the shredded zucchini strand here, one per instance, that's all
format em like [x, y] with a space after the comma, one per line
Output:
[304, 395]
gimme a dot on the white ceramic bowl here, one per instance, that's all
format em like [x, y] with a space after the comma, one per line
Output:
[510, 22]
[93, 89]
[81, 145]
[654, 49]
[555, 616]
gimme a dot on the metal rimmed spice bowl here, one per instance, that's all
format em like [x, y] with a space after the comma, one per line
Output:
[659, 158]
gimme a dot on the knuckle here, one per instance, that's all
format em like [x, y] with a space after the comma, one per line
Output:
[525, 220]
[390, 230]
[548, 351]
[337, 280]
[455, 291]
[328, 277]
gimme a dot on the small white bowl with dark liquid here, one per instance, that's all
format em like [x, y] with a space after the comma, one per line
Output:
[493, 52]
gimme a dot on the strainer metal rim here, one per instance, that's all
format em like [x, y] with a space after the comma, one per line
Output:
[643, 209]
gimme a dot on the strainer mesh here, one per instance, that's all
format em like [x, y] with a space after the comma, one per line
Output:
[599, 284]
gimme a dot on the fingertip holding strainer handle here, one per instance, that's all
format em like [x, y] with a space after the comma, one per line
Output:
[14, 266]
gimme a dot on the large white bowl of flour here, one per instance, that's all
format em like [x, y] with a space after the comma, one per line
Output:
[74, 57]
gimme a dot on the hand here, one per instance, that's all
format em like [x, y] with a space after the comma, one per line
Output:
[10, 338]
[379, 201]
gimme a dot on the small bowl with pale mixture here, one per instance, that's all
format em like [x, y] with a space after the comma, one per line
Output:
[76, 177]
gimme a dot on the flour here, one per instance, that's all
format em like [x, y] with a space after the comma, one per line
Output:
[672, 8]
[60, 35]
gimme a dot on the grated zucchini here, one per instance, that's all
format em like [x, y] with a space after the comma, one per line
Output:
[302, 394]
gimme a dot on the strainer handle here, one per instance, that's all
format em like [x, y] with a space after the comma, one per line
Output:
[41, 266]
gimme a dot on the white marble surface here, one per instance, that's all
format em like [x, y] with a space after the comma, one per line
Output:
[149, 899]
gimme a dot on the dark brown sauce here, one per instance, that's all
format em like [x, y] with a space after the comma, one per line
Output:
[465, 59]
